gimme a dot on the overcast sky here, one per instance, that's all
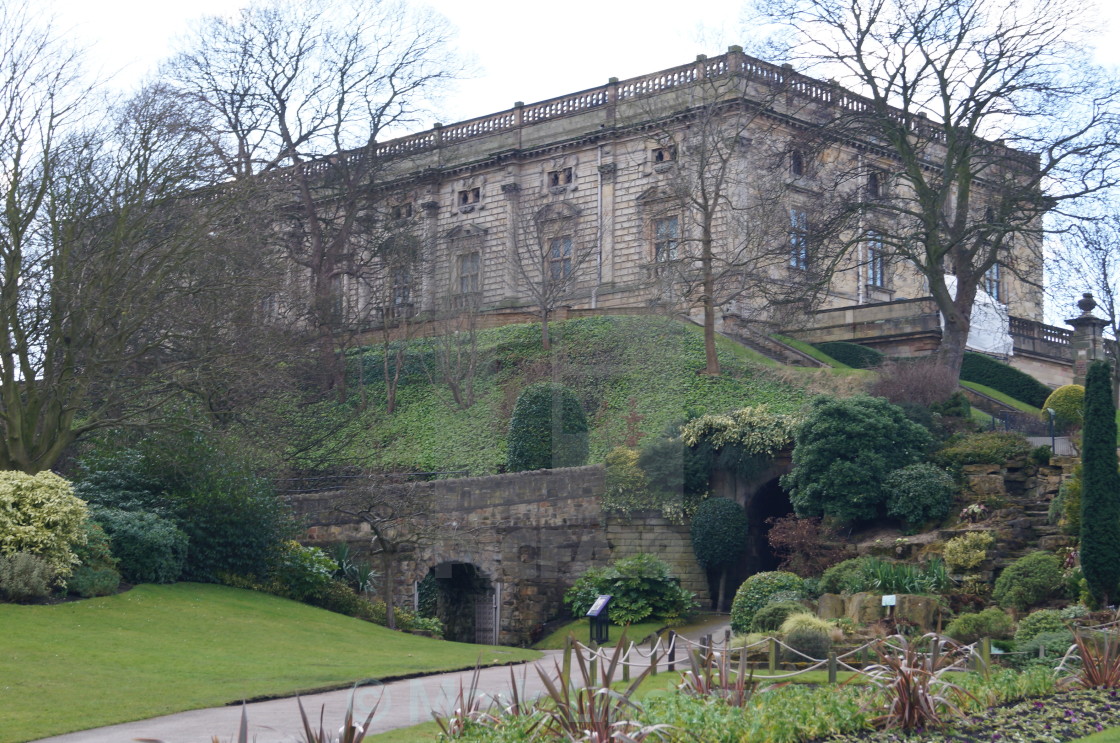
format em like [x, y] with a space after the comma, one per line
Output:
[523, 51]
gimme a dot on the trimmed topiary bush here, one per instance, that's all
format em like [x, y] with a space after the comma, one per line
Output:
[40, 515]
[1007, 379]
[967, 551]
[919, 493]
[719, 536]
[1068, 404]
[991, 622]
[852, 354]
[1043, 620]
[1029, 581]
[89, 582]
[756, 592]
[548, 429]
[844, 577]
[805, 641]
[151, 549]
[770, 617]
[844, 451]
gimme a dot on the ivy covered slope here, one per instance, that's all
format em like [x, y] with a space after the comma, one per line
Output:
[630, 374]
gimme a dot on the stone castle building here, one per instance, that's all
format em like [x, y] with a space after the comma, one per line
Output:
[587, 201]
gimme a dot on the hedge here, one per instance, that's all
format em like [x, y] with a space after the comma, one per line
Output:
[1010, 381]
[852, 354]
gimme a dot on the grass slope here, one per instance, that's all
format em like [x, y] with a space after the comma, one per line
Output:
[606, 360]
[155, 650]
[1005, 399]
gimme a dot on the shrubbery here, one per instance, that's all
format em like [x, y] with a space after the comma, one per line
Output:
[97, 575]
[805, 634]
[40, 515]
[548, 429]
[922, 381]
[302, 572]
[844, 577]
[919, 493]
[991, 622]
[643, 586]
[25, 578]
[1010, 381]
[1037, 622]
[770, 617]
[149, 548]
[843, 453]
[1054, 644]
[719, 536]
[756, 592]
[624, 484]
[232, 517]
[1067, 402]
[983, 448]
[968, 550]
[852, 354]
[1028, 581]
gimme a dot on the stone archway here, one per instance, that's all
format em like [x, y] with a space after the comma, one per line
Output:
[770, 501]
[466, 600]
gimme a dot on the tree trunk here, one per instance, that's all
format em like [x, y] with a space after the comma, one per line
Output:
[387, 589]
[546, 344]
[722, 589]
[957, 312]
[711, 367]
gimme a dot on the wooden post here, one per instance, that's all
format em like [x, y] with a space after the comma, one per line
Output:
[726, 639]
[626, 663]
[832, 666]
[594, 663]
[653, 655]
[773, 655]
[672, 651]
[566, 668]
[1041, 651]
[986, 653]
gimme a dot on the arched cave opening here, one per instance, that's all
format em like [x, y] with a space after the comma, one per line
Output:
[769, 501]
[461, 596]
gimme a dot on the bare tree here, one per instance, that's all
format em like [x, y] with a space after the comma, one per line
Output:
[741, 247]
[401, 519]
[553, 240]
[97, 243]
[972, 121]
[300, 93]
[454, 354]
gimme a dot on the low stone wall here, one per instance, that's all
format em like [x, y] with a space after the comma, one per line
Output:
[531, 532]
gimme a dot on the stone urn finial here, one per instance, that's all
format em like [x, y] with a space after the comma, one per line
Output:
[1087, 304]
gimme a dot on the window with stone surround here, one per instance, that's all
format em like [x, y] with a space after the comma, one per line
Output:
[876, 260]
[561, 177]
[666, 154]
[401, 211]
[469, 196]
[798, 239]
[993, 283]
[666, 239]
[560, 258]
[468, 270]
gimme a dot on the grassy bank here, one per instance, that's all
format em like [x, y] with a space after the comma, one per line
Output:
[155, 650]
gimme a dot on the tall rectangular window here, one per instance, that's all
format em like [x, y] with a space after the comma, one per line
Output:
[798, 239]
[876, 260]
[666, 238]
[560, 258]
[402, 286]
[993, 282]
[469, 270]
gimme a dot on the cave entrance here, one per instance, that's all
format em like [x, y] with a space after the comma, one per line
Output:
[769, 501]
[461, 596]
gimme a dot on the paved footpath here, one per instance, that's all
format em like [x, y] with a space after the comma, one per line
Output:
[399, 704]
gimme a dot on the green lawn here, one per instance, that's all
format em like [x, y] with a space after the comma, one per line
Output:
[1006, 400]
[810, 350]
[161, 649]
[582, 630]
[1112, 735]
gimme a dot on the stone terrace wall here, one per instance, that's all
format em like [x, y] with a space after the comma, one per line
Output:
[533, 532]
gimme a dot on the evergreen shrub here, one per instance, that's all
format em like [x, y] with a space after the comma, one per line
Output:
[804, 641]
[919, 493]
[991, 622]
[967, 551]
[40, 515]
[1100, 488]
[1068, 403]
[843, 453]
[25, 578]
[719, 532]
[1005, 378]
[1043, 620]
[1055, 644]
[756, 592]
[844, 577]
[851, 354]
[770, 617]
[992, 447]
[88, 582]
[301, 572]
[643, 587]
[548, 429]
[1028, 581]
[149, 548]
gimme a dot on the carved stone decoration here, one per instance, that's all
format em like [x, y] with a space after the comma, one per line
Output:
[1087, 304]
[511, 189]
[607, 171]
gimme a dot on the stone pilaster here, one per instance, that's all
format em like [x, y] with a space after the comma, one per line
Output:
[1088, 340]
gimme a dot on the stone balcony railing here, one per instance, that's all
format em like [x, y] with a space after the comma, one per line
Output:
[780, 77]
